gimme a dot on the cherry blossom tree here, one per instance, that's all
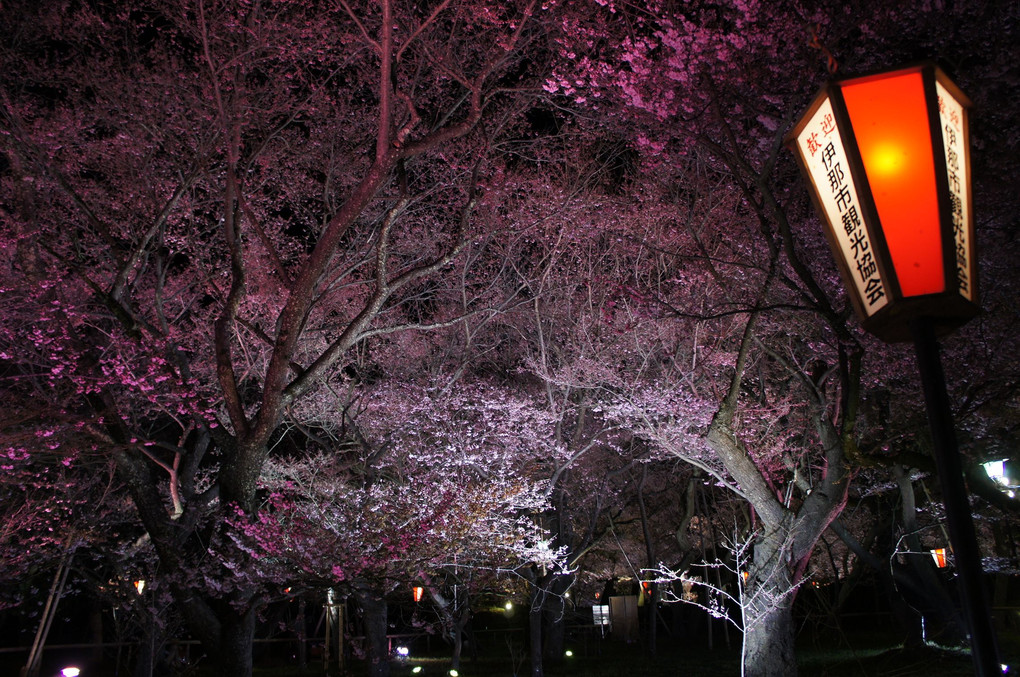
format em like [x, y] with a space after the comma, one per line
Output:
[431, 489]
[772, 412]
[214, 204]
[559, 358]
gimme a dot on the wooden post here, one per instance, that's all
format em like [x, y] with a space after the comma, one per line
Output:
[340, 637]
[329, 630]
[31, 668]
[302, 634]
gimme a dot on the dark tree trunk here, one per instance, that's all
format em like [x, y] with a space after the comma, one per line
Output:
[767, 608]
[538, 595]
[237, 635]
[373, 609]
[652, 627]
[96, 633]
[940, 621]
[150, 659]
[301, 628]
[145, 660]
[768, 640]
[225, 628]
[651, 608]
[554, 616]
[457, 631]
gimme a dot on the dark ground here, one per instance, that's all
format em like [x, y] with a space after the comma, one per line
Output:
[861, 654]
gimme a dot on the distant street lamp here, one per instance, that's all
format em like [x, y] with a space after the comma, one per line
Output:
[887, 156]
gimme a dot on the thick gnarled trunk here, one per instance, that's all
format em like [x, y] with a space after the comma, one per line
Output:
[554, 619]
[768, 639]
[538, 595]
[457, 628]
[373, 609]
[766, 602]
[225, 628]
[546, 618]
[787, 534]
[237, 636]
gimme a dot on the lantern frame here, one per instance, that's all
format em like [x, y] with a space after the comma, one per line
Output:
[958, 300]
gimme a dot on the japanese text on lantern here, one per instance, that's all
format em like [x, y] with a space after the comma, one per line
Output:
[951, 117]
[822, 149]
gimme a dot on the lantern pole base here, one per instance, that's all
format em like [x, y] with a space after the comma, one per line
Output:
[984, 649]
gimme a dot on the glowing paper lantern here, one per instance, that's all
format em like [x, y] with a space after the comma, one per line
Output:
[888, 160]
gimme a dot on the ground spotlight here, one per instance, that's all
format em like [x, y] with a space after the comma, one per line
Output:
[417, 670]
[70, 671]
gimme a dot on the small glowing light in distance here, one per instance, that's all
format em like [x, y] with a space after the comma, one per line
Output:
[403, 651]
[508, 606]
[416, 670]
[454, 673]
[569, 653]
[996, 470]
[70, 672]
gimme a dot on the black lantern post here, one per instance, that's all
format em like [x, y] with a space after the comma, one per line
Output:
[887, 157]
